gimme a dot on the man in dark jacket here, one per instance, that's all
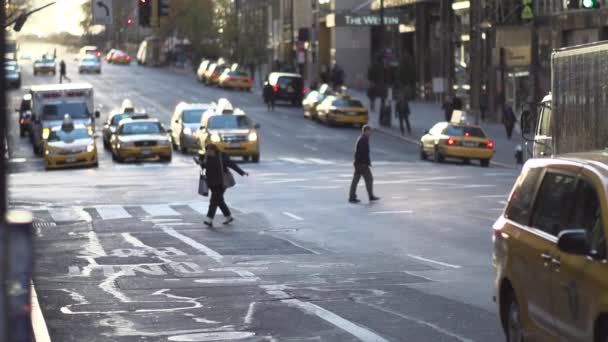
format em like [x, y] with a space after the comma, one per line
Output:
[362, 167]
[403, 114]
[63, 72]
[216, 164]
[269, 96]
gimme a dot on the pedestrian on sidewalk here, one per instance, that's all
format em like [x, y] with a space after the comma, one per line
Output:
[269, 96]
[216, 165]
[483, 104]
[363, 166]
[456, 103]
[508, 119]
[63, 72]
[372, 94]
[447, 109]
[403, 113]
[337, 77]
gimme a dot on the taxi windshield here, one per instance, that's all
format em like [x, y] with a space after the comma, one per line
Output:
[116, 118]
[77, 133]
[141, 128]
[462, 131]
[77, 110]
[347, 103]
[192, 116]
[229, 121]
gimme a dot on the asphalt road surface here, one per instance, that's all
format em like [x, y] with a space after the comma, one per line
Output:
[122, 254]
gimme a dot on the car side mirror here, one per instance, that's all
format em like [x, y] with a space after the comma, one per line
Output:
[256, 126]
[169, 130]
[202, 128]
[97, 114]
[573, 241]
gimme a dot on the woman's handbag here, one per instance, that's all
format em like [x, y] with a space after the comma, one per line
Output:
[203, 187]
[229, 181]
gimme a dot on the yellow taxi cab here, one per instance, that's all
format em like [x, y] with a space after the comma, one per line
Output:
[212, 74]
[69, 145]
[235, 80]
[456, 140]
[313, 99]
[231, 130]
[342, 109]
[140, 139]
[550, 251]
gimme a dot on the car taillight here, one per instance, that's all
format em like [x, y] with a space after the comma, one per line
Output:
[490, 144]
[128, 57]
[98, 54]
[228, 79]
[304, 90]
[21, 121]
[451, 141]
[249, 80]
[276, 88]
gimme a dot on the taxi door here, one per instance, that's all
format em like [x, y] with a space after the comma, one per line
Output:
[580, 280]
[551, 209]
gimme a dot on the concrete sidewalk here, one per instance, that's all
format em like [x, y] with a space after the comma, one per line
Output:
[424, 115]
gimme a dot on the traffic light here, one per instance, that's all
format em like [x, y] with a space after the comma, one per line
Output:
[163, 8]
[20, 22]
[588, 4]
[145, 12]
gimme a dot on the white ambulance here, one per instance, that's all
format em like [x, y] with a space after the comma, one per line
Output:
[51, 102]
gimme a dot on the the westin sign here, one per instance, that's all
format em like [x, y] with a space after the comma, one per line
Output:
[356, 19]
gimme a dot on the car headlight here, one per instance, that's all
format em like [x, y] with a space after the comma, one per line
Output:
[187, 131]
[91, 148]
[253, 136]
[215, 138]
[51, 152]
[45, 133]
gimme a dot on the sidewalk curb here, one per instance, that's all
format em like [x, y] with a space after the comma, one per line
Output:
[39, 328]
[416, 142]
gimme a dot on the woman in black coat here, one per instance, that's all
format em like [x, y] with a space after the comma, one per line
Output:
[215, 163]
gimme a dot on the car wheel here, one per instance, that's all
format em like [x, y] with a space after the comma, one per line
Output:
[485, 162]
[106, 145]
[99, 71]
[21, 132]
[167, 159]
[439, 158]
[116, 158]
[423, 155]
[513, 328]
[173, 144]
[256, 158]
[246, 158]
[466, 161]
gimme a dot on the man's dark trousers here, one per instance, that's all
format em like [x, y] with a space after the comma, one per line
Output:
[362, 170]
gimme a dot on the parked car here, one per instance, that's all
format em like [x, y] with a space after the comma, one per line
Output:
[287, 87]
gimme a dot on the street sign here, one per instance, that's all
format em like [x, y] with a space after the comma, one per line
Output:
[102, 12]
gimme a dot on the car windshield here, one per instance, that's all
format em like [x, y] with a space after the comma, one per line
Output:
[192, 115]
[116, 118]
[141, 128]
[347, 103]
[67, 136]
[229, 121]
[89, 60]
[238, 74]
[461, 131]
[77, 110]
[288, 81]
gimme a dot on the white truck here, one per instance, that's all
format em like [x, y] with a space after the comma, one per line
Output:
[574, 116]
[51, 102]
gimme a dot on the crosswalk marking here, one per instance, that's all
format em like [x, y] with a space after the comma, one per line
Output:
[320, 161]
[69, 214]
[160, 210]
[112, 212]
[293, 160]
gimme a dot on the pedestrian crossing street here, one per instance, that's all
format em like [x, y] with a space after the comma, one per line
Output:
[120, 212]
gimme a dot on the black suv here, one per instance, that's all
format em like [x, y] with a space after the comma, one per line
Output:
[286, 87]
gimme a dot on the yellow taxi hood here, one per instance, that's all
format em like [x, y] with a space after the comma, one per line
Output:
[71, 144]
[142, 137]
[230, 131]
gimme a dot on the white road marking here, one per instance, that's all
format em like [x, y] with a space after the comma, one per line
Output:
[320, 161]
[318, 187]
[69, 214]
[250, 311]
[417, 257]
[361, 333]
[294, 160]
[492, 196]
[17, 160]
[283, 181]
[293, 216]
[213, 336]
[192, 243]
[160, 210]
[421, 322]
[41, 333]
[226, 280]
[312, 148]
[112, 212]
[387, 212]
